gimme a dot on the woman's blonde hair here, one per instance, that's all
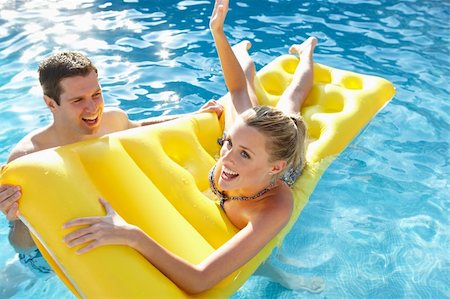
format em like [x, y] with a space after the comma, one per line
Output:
[286, 134]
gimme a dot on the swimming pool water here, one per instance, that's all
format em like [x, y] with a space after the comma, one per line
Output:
[377, 225]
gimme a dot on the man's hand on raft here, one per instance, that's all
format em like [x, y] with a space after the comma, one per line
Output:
[9, 197]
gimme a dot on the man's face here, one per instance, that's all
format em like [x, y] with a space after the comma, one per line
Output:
[81, 104]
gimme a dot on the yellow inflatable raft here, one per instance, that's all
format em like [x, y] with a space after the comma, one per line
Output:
[157, 178]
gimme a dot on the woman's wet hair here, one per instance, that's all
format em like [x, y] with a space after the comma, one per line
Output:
[286, 134]
[59, 66]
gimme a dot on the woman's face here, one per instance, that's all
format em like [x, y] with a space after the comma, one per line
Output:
[244, 160]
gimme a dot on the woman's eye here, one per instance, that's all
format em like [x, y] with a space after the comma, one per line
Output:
[245, 155]
[229, 143]
[221, 141]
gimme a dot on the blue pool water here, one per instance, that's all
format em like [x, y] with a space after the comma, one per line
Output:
[377, 225]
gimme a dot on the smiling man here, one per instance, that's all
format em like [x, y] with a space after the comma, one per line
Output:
[73, 94]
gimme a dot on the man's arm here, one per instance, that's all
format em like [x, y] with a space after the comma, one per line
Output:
[19, 235]
[210, 107]
[155, 120]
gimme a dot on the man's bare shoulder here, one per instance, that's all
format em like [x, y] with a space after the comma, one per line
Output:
[115, 119]
[32, 142]
[114, 111]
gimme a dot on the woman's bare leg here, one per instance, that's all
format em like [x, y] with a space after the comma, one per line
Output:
[295, 94]
[247, 64]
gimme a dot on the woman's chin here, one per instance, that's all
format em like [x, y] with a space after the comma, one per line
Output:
[226, 184]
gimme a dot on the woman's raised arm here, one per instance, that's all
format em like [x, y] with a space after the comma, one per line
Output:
[232, 71]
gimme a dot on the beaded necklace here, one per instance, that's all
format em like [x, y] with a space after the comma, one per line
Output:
[224, 197]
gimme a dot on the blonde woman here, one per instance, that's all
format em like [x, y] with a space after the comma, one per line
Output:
[261, 144]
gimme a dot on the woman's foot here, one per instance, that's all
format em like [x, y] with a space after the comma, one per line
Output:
[307, 46]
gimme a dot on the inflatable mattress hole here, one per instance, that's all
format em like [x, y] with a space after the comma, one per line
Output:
[352, 82]
[273, 83]
[321, 74]
[313, 96]
[289, 65]
[333, 102]
[314, 129]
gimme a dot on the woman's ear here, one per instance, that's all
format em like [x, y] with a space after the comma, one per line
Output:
[51, 103]
[278, 166]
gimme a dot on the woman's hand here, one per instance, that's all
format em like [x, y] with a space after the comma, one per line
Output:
[218, 15]
[101, 230]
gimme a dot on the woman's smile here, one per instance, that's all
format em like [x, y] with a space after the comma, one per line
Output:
[228, 174]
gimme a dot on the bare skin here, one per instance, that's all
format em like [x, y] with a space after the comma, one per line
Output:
[244, 152]
[293, 97]
[302, 81]
[248, 66]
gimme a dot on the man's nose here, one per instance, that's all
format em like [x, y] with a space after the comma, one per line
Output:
[91, 105]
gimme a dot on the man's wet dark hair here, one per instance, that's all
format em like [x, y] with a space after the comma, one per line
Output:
[59, 66]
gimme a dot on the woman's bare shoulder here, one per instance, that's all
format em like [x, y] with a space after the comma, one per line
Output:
[277, 207]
